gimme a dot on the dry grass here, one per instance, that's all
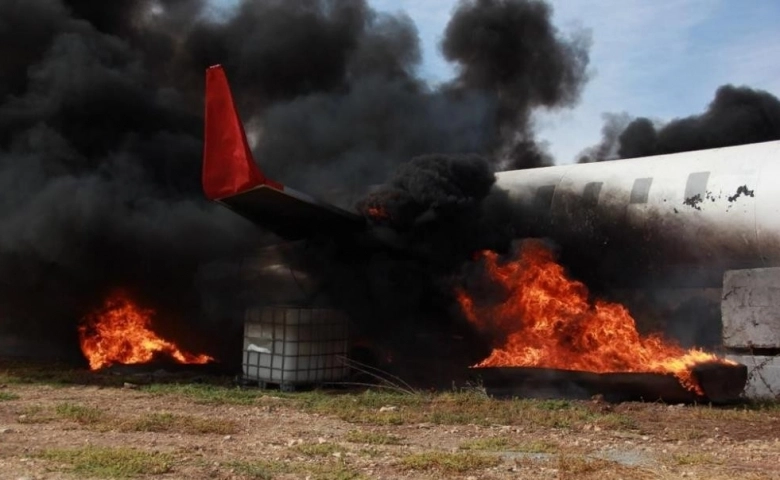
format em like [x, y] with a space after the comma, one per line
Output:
[444, 462]
[109, 462]
[259, 470]
[457, 409]
[372, 438]
[81, 414]
[175, 423]
[325, 449]
[33, 414]
[694, 459]
[98, 419]
[504, 444]
[8, 396]
[445, 435]
[321, 470]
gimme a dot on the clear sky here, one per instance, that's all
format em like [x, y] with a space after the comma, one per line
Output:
[656, 58]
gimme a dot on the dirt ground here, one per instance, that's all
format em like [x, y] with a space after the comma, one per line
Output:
[73, 429]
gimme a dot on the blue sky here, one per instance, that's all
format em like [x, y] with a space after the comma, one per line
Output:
[656, 58]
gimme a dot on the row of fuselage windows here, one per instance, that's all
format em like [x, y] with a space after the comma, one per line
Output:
[696, 185]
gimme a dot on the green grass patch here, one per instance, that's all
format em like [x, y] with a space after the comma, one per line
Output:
[110, 462]
[32, 414]
[321, 470]
[260, 470]
[504, 444]
[372, 438]
[332, 471]
[171, 422]
[449, 462]
[318, 449]
[19, 372]
[97, 419]
[207, 393]
[80, 413]
[694, 459]
[8, 396]
[456, 409]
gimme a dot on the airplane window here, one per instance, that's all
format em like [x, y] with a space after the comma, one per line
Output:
[590, 195]
[697, 185]
[641, 190]
[544, 197]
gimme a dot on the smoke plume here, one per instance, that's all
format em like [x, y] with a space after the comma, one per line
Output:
[736, 116]
[101, 133]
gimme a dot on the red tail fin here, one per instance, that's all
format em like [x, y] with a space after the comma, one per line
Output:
[228, 166]
[231, 177]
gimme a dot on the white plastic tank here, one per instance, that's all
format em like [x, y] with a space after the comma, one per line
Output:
[293, 346]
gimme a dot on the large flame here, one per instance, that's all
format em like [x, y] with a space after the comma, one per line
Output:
[548, 321]
[119, 333]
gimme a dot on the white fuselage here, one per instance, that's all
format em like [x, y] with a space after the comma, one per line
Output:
[692, 214]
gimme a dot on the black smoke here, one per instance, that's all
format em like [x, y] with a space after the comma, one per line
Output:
[511, 48]
[442, 207]
[101, 132]
[736, 116]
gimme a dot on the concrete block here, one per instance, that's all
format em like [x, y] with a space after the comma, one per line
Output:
[750, 306]
[763, 376]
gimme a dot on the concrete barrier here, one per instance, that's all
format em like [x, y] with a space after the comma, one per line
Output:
[763, 376]
[750, 307]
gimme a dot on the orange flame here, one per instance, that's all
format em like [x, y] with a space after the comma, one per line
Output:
[549, 322]
[377, 212]
[119, 333]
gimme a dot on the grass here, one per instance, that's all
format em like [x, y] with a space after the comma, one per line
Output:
[98, 419]
[442, 409]
[207, 393]
[266, 470]
[8, 396]
[186, 424]
[110, 462]
[456, 409]
[372, 438]
[81, 414]
[694, 459]
[503, 444]
[318, 449]
[35, 414]
[16, 372]
[259, 470]
[577, 466]
[449, 462]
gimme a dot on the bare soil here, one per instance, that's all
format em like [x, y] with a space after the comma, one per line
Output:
[54, 431]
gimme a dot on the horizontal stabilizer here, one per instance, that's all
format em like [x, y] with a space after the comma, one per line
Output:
[232, 178]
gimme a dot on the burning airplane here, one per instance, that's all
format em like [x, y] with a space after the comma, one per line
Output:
[103, 184]
[543, 318]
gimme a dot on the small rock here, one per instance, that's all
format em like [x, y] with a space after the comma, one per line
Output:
[6, 430]
[131, 386]
[388, 408]
[596, 428]
[337, 454]
[227, 437]
[22, 418]
[645, 438]
[709, 441]
[321, 440]
[471, 478]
